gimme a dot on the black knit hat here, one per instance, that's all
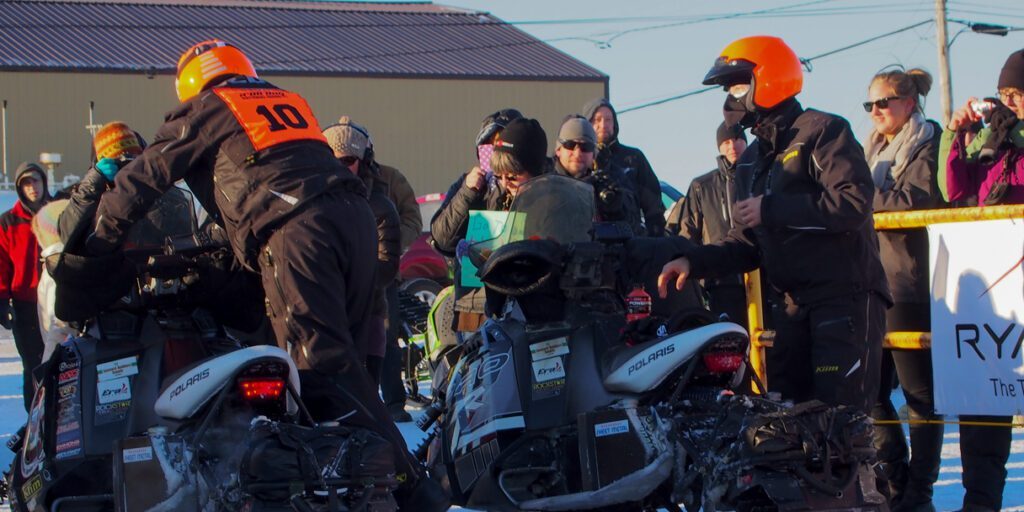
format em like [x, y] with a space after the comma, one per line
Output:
[526, 141]
[726, 132]
[1012, 74]
[494, 123]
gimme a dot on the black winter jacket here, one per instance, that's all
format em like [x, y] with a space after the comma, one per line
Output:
[451, 221]
[248, 182]
[817, 239]
[706, 212]
[904, 252]
[635, 166]
[619, 203]
[450, 224]
[389, 236]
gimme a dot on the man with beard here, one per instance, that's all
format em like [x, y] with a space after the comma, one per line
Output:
[631, 161]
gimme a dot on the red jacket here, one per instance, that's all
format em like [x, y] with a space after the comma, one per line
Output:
[19, 255]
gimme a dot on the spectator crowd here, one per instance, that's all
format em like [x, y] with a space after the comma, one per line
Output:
[792, 193]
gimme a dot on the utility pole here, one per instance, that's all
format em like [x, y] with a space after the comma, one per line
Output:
[942, 42]
[92, 126]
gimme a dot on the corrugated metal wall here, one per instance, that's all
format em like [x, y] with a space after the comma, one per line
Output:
[425, 128]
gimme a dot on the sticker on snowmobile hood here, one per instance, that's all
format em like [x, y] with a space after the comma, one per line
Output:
[548, 369]
[113, 390]
[117, 368]
[549, 348]
[611, 428]
[140, 454]
[32, 454]
[31, 489]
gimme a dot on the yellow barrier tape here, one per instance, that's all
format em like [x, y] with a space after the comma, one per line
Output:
[922, 218]
[949, 422]
[908, 340]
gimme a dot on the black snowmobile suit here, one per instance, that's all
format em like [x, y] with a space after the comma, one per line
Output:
[257, 161]
[705, 217]
[818, 245]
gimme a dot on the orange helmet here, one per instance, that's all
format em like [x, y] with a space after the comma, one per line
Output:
[206, 61]
[776, 70]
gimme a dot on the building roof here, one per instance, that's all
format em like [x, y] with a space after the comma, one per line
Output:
[281, 37]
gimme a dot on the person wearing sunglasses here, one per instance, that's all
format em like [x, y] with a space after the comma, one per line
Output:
[704, 216]
[490, 185]
[902, 151]
[803, 214]
[614, 198]
[985, 166]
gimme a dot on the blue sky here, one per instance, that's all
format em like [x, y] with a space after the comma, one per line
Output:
[650, 64]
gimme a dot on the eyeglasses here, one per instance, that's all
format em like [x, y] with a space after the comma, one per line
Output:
[515, 178]
[347, 161]
[1007, 95]
[586, 147]
[882, 103]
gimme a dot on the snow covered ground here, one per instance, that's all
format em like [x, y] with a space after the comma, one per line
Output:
[948, 490]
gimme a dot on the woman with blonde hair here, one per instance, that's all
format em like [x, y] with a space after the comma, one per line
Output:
[902, 153]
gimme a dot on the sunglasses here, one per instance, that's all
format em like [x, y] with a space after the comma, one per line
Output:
[586, 147]
[347, 161]
[882, 103]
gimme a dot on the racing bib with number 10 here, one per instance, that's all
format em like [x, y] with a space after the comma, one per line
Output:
[271, 116]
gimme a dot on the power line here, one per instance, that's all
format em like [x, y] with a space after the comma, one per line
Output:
[670, 98]
[587, 38]
[711, 18]
[479, 19]
[806, 62]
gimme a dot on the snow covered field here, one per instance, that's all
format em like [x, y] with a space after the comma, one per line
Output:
[948, 490]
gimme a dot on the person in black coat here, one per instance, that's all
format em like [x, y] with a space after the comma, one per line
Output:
[631, 161]
[902, 150]
[351, 145]
[704, 216]
[804, 214]
[478, 189]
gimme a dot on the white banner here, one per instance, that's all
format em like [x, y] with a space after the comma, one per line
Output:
[977, 288]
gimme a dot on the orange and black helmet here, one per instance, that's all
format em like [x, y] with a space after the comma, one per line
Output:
[776, 70]
[207, 61]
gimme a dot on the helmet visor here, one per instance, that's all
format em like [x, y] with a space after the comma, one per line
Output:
[727, 72]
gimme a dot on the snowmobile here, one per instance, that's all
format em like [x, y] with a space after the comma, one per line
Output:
[154, 406]
[557, 403]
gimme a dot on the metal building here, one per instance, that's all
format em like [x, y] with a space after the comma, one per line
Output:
[420, 76]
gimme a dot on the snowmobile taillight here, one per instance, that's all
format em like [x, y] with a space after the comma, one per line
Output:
[260, 389]
[723, 362]
[724, 356]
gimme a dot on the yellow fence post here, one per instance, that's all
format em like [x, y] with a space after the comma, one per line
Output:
[755, 321]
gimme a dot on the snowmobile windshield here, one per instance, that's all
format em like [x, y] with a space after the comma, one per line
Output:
[171, 218]
[549, 207]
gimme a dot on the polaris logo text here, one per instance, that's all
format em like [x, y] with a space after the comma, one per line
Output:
[661, 352]
[203, 375]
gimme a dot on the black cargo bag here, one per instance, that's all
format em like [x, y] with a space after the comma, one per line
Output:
[811, 428]
[286, 459]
